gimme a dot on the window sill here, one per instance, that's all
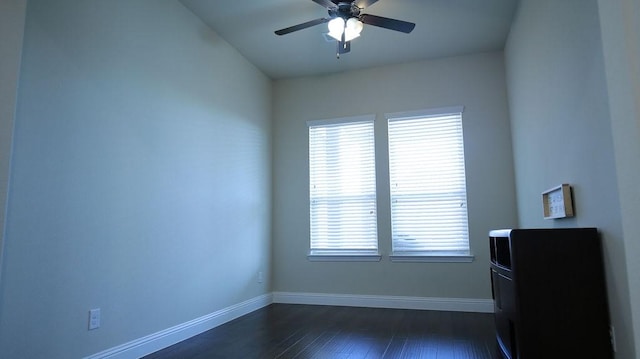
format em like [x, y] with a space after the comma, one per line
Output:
[432, 258]
[344, 257]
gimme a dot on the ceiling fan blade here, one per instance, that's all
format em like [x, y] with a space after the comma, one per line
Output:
[304, 25]
[344, 47]
[325, 3]
[365, 3]
[385, 22]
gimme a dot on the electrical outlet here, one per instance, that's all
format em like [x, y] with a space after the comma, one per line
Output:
[260, 277]
[94, 319]
[612, 333]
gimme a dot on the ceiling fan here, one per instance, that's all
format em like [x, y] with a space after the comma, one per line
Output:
[346, 22]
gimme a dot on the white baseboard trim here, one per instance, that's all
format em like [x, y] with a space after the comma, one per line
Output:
[382, 301]
[165, 338]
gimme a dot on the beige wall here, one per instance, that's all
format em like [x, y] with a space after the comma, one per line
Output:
[562, 133]
[12, 15]
[140, 177]
[620, 22]
[475, 82]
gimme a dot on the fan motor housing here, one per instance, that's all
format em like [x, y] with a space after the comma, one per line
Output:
[345, 10]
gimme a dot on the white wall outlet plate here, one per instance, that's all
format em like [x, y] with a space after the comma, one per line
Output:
[94, 319]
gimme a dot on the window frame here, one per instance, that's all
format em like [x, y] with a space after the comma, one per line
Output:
[338, 255]
[427, 256]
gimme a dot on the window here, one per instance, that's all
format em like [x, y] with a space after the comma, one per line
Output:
[342, 189]
[428, 187]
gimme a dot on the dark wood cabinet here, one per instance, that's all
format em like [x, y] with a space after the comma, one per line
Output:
[549, 292]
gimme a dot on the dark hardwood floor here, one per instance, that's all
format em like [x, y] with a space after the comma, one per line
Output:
[307, 331]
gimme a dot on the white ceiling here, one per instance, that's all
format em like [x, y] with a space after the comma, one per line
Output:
[443, 28]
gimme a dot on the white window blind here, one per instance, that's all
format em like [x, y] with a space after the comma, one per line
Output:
[428, 187]
[342, 188]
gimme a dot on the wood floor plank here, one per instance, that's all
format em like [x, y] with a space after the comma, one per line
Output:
[316, 346]
[395, 348]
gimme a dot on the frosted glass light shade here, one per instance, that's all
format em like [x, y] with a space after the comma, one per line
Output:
[353, 29]
[336, 28]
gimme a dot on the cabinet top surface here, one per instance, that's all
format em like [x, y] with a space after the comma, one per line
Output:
[509, 232]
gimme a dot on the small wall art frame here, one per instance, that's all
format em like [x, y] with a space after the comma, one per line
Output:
[557, 202]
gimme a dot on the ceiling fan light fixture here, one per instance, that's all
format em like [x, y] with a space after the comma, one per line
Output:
[336, 28]
[346, 22]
